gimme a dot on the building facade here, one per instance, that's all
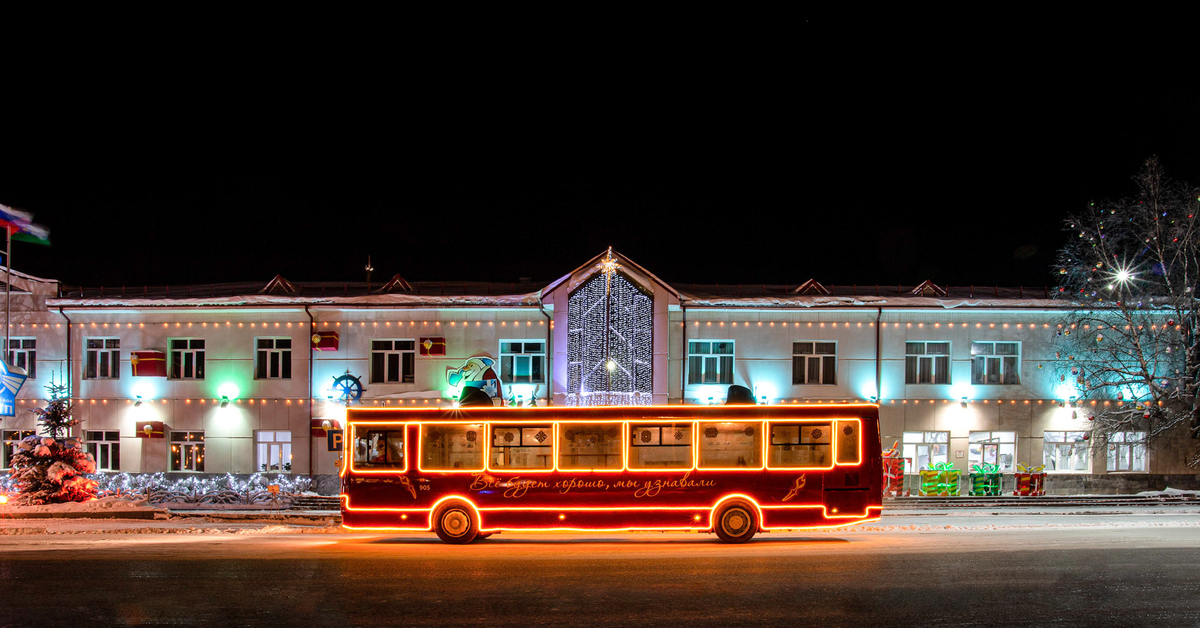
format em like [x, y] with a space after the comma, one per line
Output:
[241, 378]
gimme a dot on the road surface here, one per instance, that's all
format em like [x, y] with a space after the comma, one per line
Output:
[964, 570]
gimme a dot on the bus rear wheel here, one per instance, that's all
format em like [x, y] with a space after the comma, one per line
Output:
[455, 523]
[735, 523]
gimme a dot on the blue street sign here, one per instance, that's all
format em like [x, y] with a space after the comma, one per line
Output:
[11, 381]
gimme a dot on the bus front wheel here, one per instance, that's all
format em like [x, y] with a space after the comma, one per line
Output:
[735, 523]
[455, 523]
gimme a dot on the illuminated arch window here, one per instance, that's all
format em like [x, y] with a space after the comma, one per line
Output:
[609, 343]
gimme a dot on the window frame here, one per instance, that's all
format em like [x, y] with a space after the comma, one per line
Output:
[406, 360]
[285, 357]
[992, 440]
[802, 377]
[932, 358]
[1130, 447]
[1084, 440]
[915, 467]
[106, 446]
[27, 354]
[484, 446]
[515, 356]
[375, 467]
[196, 456]
[10, 440]
[831, 451]
[563, 428]
[630, 445]
[549, 444]
[286, 456]
[1003, 373]
[194, 352]
[696, 377]
[758, 444]
[102, 355]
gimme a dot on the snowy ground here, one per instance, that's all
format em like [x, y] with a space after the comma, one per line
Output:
[894, 521]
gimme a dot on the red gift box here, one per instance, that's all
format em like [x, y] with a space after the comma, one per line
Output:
[325, 341]
[433, 346]
[149, 363]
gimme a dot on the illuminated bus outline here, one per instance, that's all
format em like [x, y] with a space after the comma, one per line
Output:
[702, 514]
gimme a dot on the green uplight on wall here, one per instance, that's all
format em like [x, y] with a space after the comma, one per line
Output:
[228, 392]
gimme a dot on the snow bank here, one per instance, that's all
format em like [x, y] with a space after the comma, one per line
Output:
[104, 504]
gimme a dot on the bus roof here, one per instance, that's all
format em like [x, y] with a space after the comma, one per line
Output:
[611, 413]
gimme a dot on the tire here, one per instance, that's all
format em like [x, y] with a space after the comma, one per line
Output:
[736, 522]
[455, 523]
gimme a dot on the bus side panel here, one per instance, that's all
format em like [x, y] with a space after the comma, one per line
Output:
[599, 519]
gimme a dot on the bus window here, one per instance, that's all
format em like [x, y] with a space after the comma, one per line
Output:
[378, 448]
[847, 442]
[801, 445]
[522, 447]
[666, 446]
[589, 446]
[452, 447]
[731, 445]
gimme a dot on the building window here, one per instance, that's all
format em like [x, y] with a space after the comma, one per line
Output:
[187, 451]
[11, 438]
[187, 358]
[105, 447]
[22, 352]
[710, 362]
[1065, 451]
[998, 448]
[522, 362]
[274, 451]
[923, 449]
[274, 358]
[926, 363]
[103, 358]
[814, 363]
[392, 361]
[995, 363]
[1127, 451]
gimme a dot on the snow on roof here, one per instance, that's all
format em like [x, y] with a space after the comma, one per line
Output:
[822, 301]
[267, 300]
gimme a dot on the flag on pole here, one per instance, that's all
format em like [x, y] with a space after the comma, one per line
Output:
[21, 227]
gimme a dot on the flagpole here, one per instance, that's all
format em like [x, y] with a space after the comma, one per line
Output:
[7, 288]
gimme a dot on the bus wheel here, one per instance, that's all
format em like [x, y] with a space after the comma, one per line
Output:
[735, 523]
[454, 523]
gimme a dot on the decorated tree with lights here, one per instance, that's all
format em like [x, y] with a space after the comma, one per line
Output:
[52, 468]
[1131, 267]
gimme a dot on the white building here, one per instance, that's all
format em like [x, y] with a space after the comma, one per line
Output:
[237, 378]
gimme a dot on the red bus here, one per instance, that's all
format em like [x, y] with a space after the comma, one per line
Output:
[733, 470]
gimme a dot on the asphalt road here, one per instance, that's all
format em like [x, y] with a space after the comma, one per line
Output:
[1144, 573]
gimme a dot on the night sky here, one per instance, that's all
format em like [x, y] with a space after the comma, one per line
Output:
[714, 152]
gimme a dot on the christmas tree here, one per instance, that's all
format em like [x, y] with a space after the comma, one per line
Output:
[51, 469]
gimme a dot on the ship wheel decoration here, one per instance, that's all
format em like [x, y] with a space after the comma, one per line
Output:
[348, 388]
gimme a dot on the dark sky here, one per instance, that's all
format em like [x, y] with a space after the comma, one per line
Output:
[761, 149]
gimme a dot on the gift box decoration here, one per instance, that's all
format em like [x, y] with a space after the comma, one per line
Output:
[148, 363]
[1031, 481]
[985, 480]
[940, 479]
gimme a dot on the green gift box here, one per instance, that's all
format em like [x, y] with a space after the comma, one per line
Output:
[940, 480]
[985, 480]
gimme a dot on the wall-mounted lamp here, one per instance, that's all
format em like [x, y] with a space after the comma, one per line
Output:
[874, 399]
[1071, 401]
[762, 399]
[138, 402]
[964, 401]
[224, 400]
